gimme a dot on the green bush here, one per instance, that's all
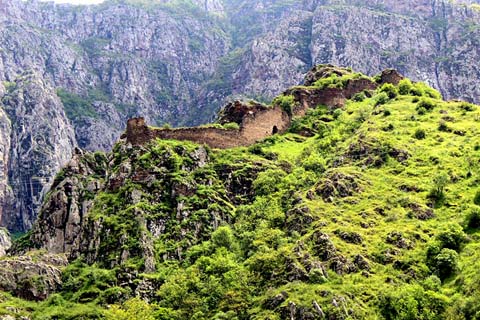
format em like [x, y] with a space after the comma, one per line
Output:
[446, 263]
[314, 162]
[359, 97]
[223, 237]
[472, 221]
[421, 111]
[337, 113]
[426, 90]
[419, 134]
[465, 106]
[439, 183]
[381, 99]
[390, 90]
[442, 126]
[405, 87]
[268, 182]
[426, 104]
[452, 238]
[285, 102]
[411, 302]
[231, 126]
[476, 199]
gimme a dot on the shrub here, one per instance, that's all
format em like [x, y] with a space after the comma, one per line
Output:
[268, 182]
[337, 113]
[381, 99]
[223, 237]
[440, 181]
[452, 238]
[442, 126]
[421, 111]
[446, 263]
[426, 103]
[476, 199]
[359, 97]
[390, 90]
[427, 90]
[405, 87]
[134, 308]
[419, 134]
[315, 163]
[285, 102]
[409, 302]
[231, 126]
[465, 106]
[472, 220]
[432, 283]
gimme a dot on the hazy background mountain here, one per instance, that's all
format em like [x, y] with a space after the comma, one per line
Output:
[72, 75]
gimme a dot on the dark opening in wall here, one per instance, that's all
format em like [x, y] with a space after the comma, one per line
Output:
[274, 130]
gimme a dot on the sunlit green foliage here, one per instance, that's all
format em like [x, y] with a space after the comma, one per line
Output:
[364, 212]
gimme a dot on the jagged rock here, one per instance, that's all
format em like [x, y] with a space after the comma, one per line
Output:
[397, 239]
[32, 277]
[350, 237]
[276, 301]
[337, 184]
[420, 212]
[37, 148]
[298, 219]
[374, 153]
[323, 246]
[361, 262]
[59, 227]
[5, 242]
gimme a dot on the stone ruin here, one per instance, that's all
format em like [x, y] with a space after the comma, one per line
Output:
[257, 121]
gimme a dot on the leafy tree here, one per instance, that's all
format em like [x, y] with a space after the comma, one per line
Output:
[132, 309]
[390, 90]
[476, 199]
[446, 263]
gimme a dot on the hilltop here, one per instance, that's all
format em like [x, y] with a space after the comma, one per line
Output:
[364, 209]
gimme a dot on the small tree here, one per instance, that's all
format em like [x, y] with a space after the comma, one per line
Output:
[419, 134]
[476, 199]
[405, 86]
[472, 220]
[390, 90]
[446, 263]
[381, 98]
[439, 183]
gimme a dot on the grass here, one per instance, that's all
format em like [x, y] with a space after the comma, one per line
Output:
[348, 177]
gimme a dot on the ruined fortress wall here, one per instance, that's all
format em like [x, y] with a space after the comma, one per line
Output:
[255, 127]
[264, 123]
[258, 122]
[310, 98]
[213, 137]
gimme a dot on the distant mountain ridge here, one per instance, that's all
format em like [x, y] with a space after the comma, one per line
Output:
[179, 61]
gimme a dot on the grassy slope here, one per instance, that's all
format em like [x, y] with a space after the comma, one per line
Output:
[238, 270]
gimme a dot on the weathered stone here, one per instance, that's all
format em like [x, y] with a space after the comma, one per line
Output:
[32, 277]
[5, 242]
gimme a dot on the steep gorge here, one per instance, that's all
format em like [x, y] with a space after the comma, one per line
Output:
[179, 61]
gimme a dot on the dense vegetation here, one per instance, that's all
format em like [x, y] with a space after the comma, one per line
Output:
[366, 212]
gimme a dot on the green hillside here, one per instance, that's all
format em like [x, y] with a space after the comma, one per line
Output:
[366, 212]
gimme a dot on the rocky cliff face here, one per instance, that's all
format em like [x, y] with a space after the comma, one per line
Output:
[5, 242]
[41, 140]
[177, 62]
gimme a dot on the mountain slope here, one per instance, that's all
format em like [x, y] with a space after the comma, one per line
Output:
[179, 61]
[362, 212]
